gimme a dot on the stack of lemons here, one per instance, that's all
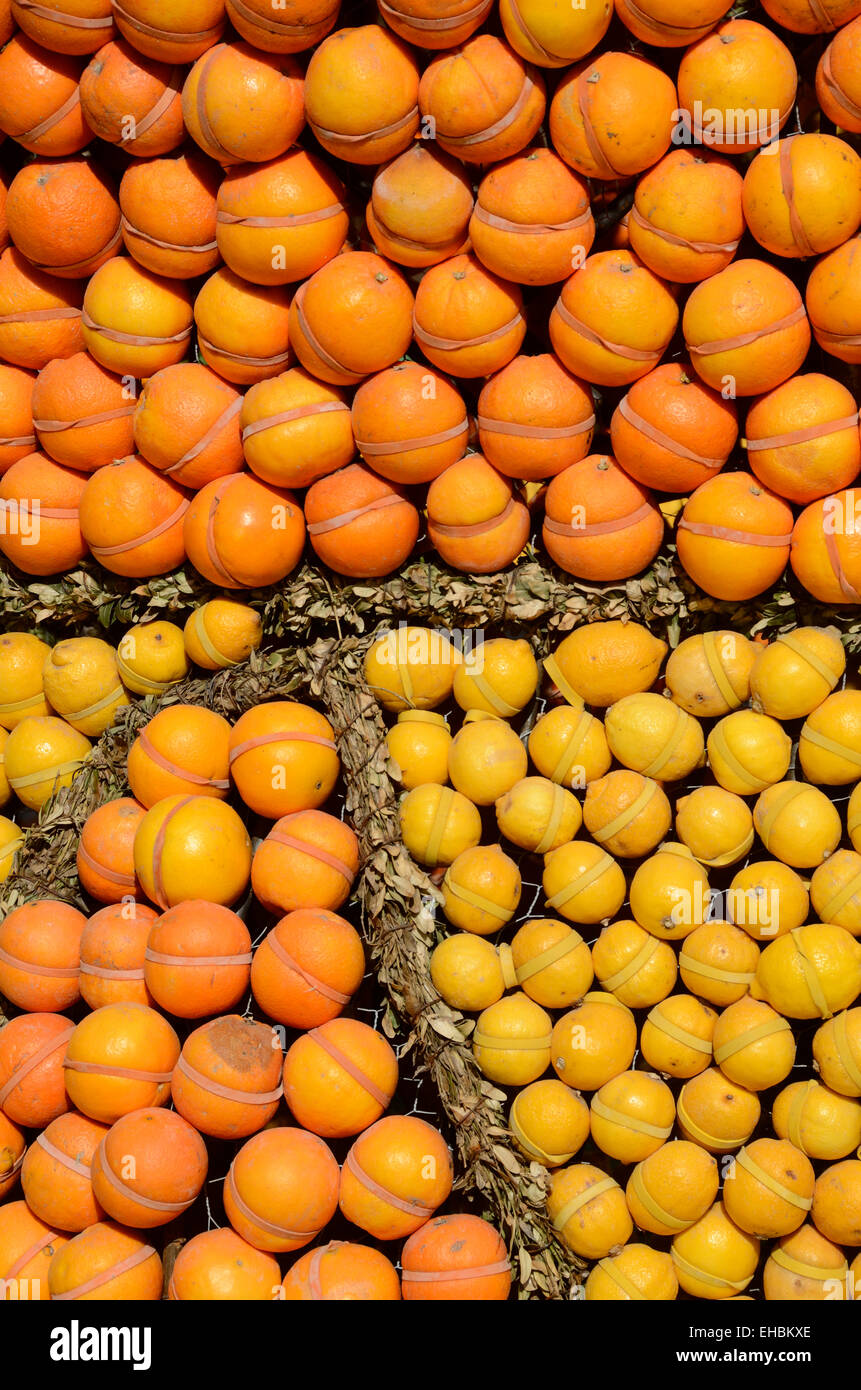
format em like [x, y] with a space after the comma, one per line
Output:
[692, 898]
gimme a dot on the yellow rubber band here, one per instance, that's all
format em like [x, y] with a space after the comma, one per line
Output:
[671, 744]
[572, 748]
[655, 1210]
[794, 1266]
[551, 667]
[552, 1160]
[625, 817]
[838, 749]
[672, 1030]
[702, 1135]
[50, 774]
[511, 1044]
[150, 687]
[847, 892]
[790, 639]
[811, 978]
[756, 784]
[789, 792]
[546, 841]
[422, 716]
[569, 942]
[796, 1113]
[584, 881]
[506, 960]
[493, 698]
[618, 1117]
[596, 1189]
[476, 900]
[438, 824]
[206, 642]
[750, 1165]
[763, 1030]
[17, 705]
[711, 972]
[687, 1268]
[12, 848]
[843, 1048]
[719, 675]
[630, 1290]
[110, 699]
[643, 956]
[406, 680]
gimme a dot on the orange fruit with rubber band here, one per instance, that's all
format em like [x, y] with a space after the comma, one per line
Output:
[551, 36]
[118, 1059]
[113, 953]
[197, 960]
[133, 101]
[179, 36]
[309, 859]
[670, 23]
[32, 1084]
[467, 320]
[41, 107]
[687, 219]
[40, 314]
[341, 1270]
[227, 1081]
[295, 429]
[42, 755]
[17, 433]
[805, 200]
[281, 1189]
[149, 1168]
[241, 533]
[339, 1078]
[280, 221]
[838, 78]
[420, 206]
[740, 560]
[64, 216]
[475, 519]
[832, 300]
[455, 1257]
[300, 24]
[56, 1177]
[186, 424]
[532, 222]
[357, 285]
[613, 116]
[45, 500]
[746, 328]
[409, 423]
[358, 524]
[169, 215]
[435, 23]
[218, 1265]
[13, 1148]
[599, 524]
[483, 102]
[232, 316]
[534, 418]
[613, 320]
[106, 1261]
[192, 847]
[353, 114]
[306, 969]
[670, 431]
[64, 26]
[184, 749]
[40, 948]
[740, 68]
[27, 1247]
[283, 758]
[395, 1176]
[802, 438]
[239, 105]
[82, 413]
[826, 549]
[134, 322]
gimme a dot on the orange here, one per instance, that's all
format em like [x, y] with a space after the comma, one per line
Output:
[40, 315]
[135, 322]
[227, 1082]
[309, 859]
[219, 1265]
[670, 431]
[295, 429]
[106, 1262]
[192, 847]
[805, 198]
[743, 559]
[281, 1189]
[183, 749]
[826, 548]
[670, 23]
[409, 423]
[831, 299]
[113, 951]
[39, 106]
[434, 23]
[242, 328]
[148, 1168]
[17, 435]
[307, 967]
[361, 94]
[339, 1078]
[198, 960]
[64, 216]
[82, 414]
[241, 533]
[32, 1048]
[339, 1271]
[27, 1246]
[59, 26]
[475, 519]
[41, 533]
[802, 438]
[395, 1176]
[186, 424]
[169, 210]
[535, 418]
[420, 207]
[612, 116]
[532, 221]
[132, 101]
[283, 758]
[456, 1257]
[351, 318]
[599, 524]
[177, 35]
[687, 218]
[745, 329]
[613, 320]
[838, 81]
[40, 947]
[120, 1058]
[241, 105]
[13, 1148]
[467, 320]
[549, 35]
[740, 69]
[299, 24]
[56, 1180]
[359, 525]
[483, 101]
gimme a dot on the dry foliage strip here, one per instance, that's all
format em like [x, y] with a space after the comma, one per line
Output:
[395, 898]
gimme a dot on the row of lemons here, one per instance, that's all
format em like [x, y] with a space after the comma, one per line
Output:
[749, 974]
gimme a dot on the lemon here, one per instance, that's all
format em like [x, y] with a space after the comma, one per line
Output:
[829, 745]
[588, 1211]
[818, 1121]
[637, 1272]
[485, 760]
[672, 1188]
[835, 890]
[811, 972]
[43, 755]
[655, 737]
[748, 752]
[83, 685]
[718, 962]
[552, 963]
[481, 890]
[11, 840]
[632, 1115]
[717, 1113]
[511, 1042]
[499, 676]
[538, 815]
[411, 668]
[837, 1052]
[804, 1265]
[599, 663]
[767, 899]
[676, 1037]
[22, 661]
[419, 746]
[221, 633]
[770, 1188]
[714, 1259]
[569, 746]
[669, 893]
[466, 972]
[716, 825]
[151, 657]
[795, 673]
[633, 965]
[709, 674]
[594, 1042]
[753, 1044]
[437, 824]
[550, 1122]
[627, 813]
[797, 824]
[583, 882]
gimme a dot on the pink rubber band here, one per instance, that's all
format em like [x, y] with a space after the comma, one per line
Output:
[673, 240]
[14, 441]
[82, 1169]
[838, 339]
[545, 52]
[724, 533]
[744, 339]
[23, 1260]
[584, 104]
[326, 990]
[535, 431]
[107, 1275]
[659, 27]
[54, 426]
[620, 349]
[167, 766]
[489, 132]
[599, 528]
[279, 1232]
[274, 361]
[158, 850]
[315, 1288]
[147, 536]
[341, 136]
[787, 184]
[215, 1088]
[211, 547]
[286, 220]
[124, 1190]
[478, 528]
[334, 523]
[173, 88]
[53, 972]
[112, 875]
[313, 852]
[432, 1276]
[271, 26]
[41, 315]
[15, 1169]
[105, 972]
[108, 249]
[47, 1048]
[760, 136]
[503, 224]
[158, 958]
[285, 737]
[402, 446]
[313, 341]
[658, 437]
[74, 21]
[833, 552]
[286, 417]
[131, 230]
[50, 121]
[115, 335]
[835, 89]
[126, 1073]
[207, 437]
[169, 34]
[426, 339]
[224, 155]
[408, 1205]
[26, 506]
[780, 441]
[821, 15]
[349, 1066]
[449, 22]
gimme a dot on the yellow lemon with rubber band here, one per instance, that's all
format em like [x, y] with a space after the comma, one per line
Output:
[627, 813]
[633, 965]
[599, 663]
[768, 1191]
[805, 1266]
[83, 685]
[796, 672]
[569, 746]
[437, 824]
[550, 1122]
[753, 1044]
[653, 736]
[411, 668]
[829, 745]
[709, 674]
[716, 825]
[11, 840]
[853, 818]
[588, 1211]
[551, 962]
[718, 962]
[714, 1258]
[835, 890]
[797, 824]
[820, 1122]
[499, 675]
[672, 1188]
[466, 972]
[511, 1042]
[189, 847]
[637, 1274]
[419, 745]
[481, 890]
[837, 1052]
[222, 633]
[42, 755]
[632, 1115]
[716, 1113]
[583, 882]
[485, 760]
[538, 815]
[748, 752]
[669, 894]
[676, 1037]
[5, 789]
[151, 658]
[594, 1042]
[767, 899]
[836, 1207]
[812, 972]
[22, 692]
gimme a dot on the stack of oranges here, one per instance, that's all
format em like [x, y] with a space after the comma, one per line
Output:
[651, 889]
[267, 282]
